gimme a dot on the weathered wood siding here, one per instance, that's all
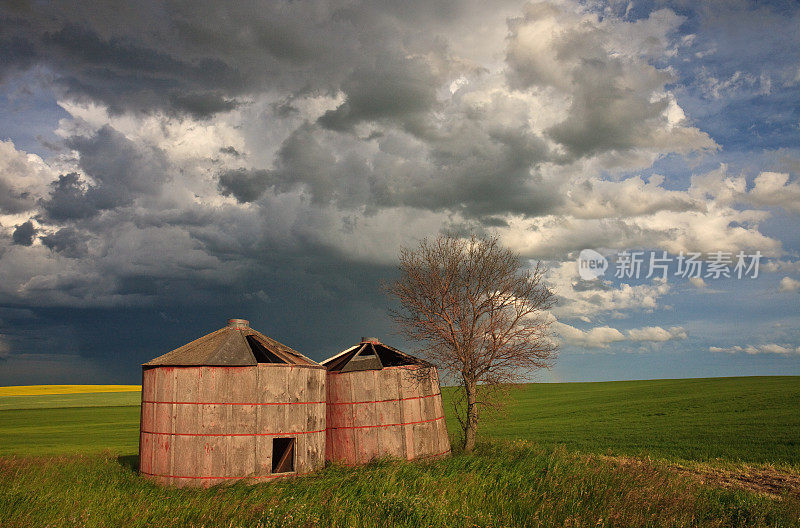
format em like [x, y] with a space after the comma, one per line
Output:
[392, 412]
[205, 425]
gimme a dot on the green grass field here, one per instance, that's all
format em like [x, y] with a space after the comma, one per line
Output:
[737, 419]
[69, 423]
[753, 419]
[545, 462]
[498, 486]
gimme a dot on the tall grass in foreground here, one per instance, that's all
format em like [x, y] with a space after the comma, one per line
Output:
[502, 484]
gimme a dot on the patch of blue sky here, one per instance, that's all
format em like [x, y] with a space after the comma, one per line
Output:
[29, 112]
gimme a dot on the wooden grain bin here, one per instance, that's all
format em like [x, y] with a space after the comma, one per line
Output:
[231, 405]
[383, 403]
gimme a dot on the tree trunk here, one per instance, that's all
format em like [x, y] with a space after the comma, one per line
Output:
[471, 428]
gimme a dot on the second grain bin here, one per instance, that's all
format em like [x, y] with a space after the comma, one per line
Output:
[231, 405]
[383, 402]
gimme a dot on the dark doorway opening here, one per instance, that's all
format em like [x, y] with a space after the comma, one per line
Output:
[371, 356]
[262, 353]
[282, 455]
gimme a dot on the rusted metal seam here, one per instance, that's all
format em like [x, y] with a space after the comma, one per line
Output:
[385, 401]
[234, 434]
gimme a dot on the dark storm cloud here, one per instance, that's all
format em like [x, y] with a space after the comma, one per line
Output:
[304, 159]
[387, 61]
[488, 171]
[19, 54]
[284, 109]
[318, 309]
[23, 234]
[198, 58]
[122, 73]
[128, 260]
[231, 151]
[480, 169]
[202, 105]
[617, 98]
[245, 185]
[121, 170]
[393, 88]
[67, 200]
[67, 241]
[11, 200]
[493, 221]
[605, 115]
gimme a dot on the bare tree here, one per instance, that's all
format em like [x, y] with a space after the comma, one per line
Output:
[480, 316]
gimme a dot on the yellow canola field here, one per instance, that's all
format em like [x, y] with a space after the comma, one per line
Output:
[41, 390]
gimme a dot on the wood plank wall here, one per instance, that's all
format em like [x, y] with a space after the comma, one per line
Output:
[394, 412]
[204, 425]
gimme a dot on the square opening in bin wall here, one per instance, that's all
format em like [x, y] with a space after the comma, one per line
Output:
[282, 455]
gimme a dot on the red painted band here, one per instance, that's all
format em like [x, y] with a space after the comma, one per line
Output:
[230, 403]
[292, 403]
[234, 434]
[434, 455]
[384, 401]
[227, 478]
[387, 425]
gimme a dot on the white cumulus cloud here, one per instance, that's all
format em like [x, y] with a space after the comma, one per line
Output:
[789, 284]
[604, 336]
[769, 348]
[656, 333]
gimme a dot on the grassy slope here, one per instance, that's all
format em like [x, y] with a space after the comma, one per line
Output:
[70, 423]
[753, 419]
[69, 430]
[60, 401]
[501, 485]
[515, 483]
[747, 419]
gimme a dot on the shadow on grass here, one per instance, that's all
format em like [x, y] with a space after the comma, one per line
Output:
[129, 462]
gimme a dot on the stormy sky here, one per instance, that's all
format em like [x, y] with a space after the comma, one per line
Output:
[167, 165]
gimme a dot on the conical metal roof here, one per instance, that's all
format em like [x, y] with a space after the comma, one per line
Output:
[370, 354]
[234, 345]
